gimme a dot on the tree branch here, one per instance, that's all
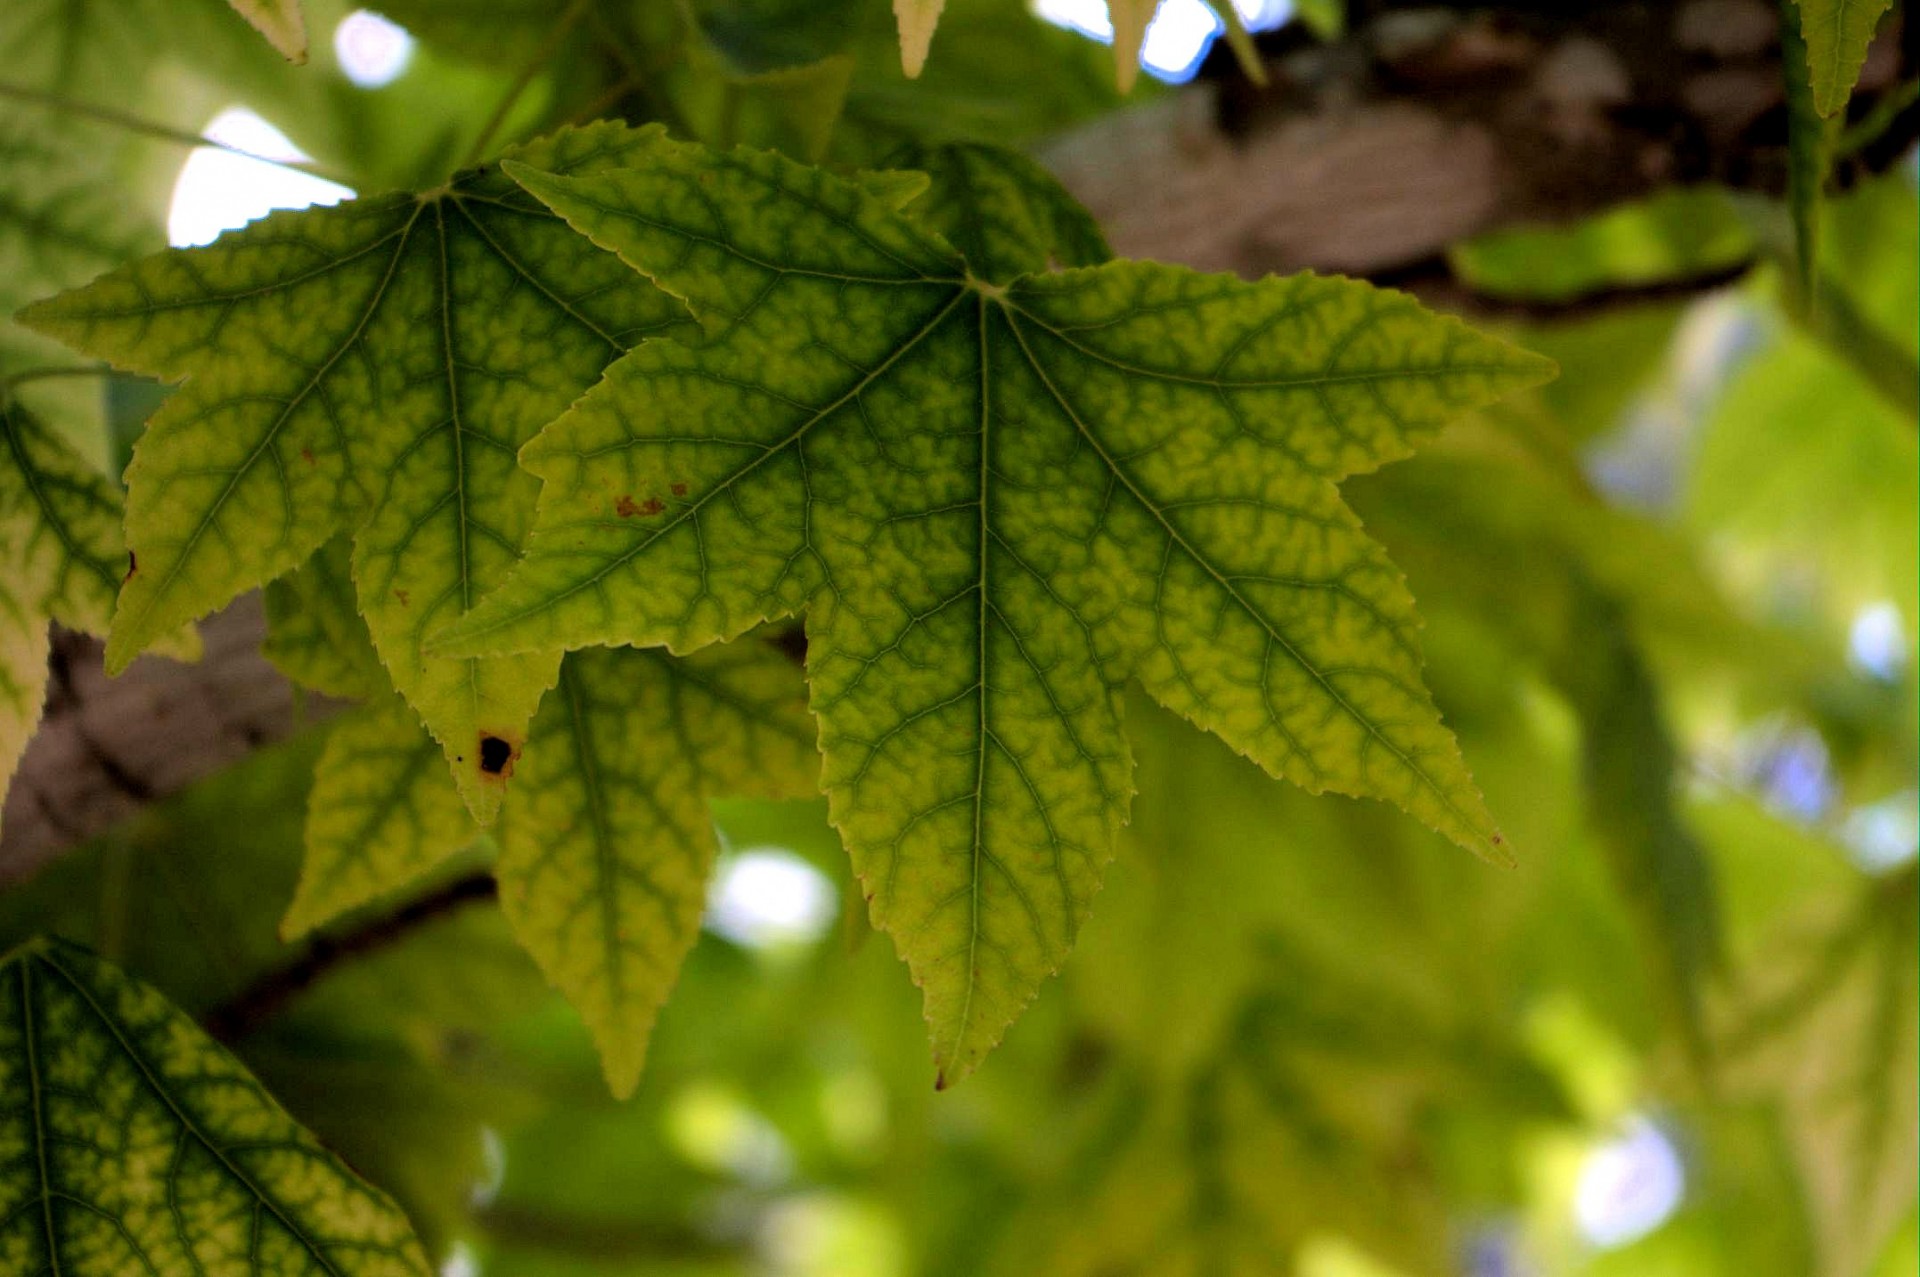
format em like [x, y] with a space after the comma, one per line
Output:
[267, 995]
[1428, 125]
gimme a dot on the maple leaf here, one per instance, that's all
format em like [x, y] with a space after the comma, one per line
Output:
[370, 368]
[607, 846]
[381, 814]
[60, 560]
[1000, 210]
[139, 1145]
[314, 632]
[605, 842]
[995, 502]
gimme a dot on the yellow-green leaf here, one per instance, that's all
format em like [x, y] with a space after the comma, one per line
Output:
[1836, 34]
[1005, 214]
[996, 502]
[60, 560]
[373, 367]
[314, 632]
[135, 1144]
[605, 841]
[381, 814]
[606, 845]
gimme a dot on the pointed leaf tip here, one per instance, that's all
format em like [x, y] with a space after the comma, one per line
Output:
[917, 19]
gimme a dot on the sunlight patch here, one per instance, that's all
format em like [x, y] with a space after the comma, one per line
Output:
[219, 191]
[765, 897]
[1629, 1186]
[372, 51]
[1877, 642]
[1177, 39]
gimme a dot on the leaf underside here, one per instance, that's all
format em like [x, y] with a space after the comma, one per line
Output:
[60, 560]
[605, 841]
[371, 368]
[139, 1145]
[995, 503]
[607, 844]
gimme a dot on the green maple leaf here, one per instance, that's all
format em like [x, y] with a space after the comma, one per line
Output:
[370, 368]
[1000, 210]
[605, 842]
[607, 846]
[995, 502]
[381, 814]
[136, 1144]
[1836, 34]
[60, 560]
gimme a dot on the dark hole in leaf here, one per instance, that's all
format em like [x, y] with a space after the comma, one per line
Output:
[495, 756]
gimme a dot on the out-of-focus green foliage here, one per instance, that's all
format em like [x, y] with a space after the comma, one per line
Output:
[1675, 235]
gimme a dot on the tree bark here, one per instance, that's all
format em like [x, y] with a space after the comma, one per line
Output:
[1427, 125]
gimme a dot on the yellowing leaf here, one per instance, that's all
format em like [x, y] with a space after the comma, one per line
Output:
[380, 815]
[281, 22]
[314, 632]
[60, 560]
[996, 502]
[135, 1144]
[607, 844]
[605, 839]
[1836, 34]
[917, 19]
[371, 368]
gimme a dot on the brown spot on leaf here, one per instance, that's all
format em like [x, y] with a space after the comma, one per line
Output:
[306, 455]
[625, 507]
[497, 755]
[402, 596]
[679, 489]
[132, 567]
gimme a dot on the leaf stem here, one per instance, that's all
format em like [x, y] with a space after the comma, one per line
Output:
[541, 56]
[153, 129]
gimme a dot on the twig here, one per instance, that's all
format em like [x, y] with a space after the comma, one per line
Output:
[268, 994]
[156, 130]
[1433, 281]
